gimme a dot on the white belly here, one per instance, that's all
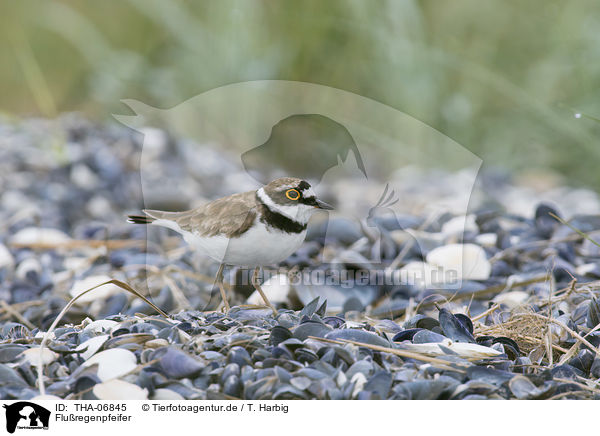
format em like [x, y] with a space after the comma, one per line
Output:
[257, 247]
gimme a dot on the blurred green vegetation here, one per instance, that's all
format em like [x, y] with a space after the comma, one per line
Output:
[504, 78]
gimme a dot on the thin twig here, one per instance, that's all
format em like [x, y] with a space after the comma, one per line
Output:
[111, 244]
[548, 336]
[542, 243]
[492, 289]
[581, 385]
[566, 394]
[575, 229]
[9, 309]
[180, 297]
[486, 313]
[556, 347]
[398, 260]
[397, 351]
[568, 329]
[123, 285]
[571, 352]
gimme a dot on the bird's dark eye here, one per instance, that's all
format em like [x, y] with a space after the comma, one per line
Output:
[292, 194]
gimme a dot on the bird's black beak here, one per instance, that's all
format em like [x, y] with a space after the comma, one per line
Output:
[322, 205]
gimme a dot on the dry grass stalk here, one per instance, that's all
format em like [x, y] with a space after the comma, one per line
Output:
[439, 363]
[486, 313]
[12, 311]
[532, 330]
[47, 335]
[524, 328]
[496, 289]
[111, 244]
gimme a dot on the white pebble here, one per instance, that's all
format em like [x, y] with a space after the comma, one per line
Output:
[76, 264]
[359, 381]
[300, 382]
[156, 343]
[101, 325]
[45, 397]
[155, 140]
[32, 355]
[91, 346]
[276, 289]
[37, 235]
[119, 390]
[468, 261]
[98, 206]
[26, 265]
[100, 293]
[459, 225]
[166, 394]
[113, 363]
[512, 299]
[83, 177]
[341, 379]
[462, 349]
[13, 201]
[417, 274]
[487, 239]
[585, 268]
[6, 259]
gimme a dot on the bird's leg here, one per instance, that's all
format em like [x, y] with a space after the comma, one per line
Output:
[260, 291]
[221, 287]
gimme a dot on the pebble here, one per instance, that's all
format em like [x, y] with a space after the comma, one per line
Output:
[156, 343]
[357, 336]
[176, 363]
[112, 363]
[100, 293]
[166, 394]
[27, 268]
[39, 236]
[83, 177]
[110, 345]
[301, 383]
[512, 299]
[6, 259]
[101, 325]
[33, 356]
[89, 347]
[459, 225]
[487, 239]
[277, 289]
[469, 261]
[119, 390]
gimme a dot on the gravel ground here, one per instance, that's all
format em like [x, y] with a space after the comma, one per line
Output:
[520, 324]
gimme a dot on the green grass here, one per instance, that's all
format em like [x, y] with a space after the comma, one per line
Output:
[504, 78]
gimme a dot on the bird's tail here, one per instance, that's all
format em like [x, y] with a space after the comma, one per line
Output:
[139, 219]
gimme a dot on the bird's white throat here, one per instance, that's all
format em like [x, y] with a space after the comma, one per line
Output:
[300, 213]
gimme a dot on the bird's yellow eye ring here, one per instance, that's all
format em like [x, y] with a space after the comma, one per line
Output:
[292, 194]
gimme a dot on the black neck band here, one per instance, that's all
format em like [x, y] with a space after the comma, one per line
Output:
[279, 221]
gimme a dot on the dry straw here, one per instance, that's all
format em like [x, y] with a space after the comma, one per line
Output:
[122, 285]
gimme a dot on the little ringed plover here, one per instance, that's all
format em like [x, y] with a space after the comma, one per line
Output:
[252, 229]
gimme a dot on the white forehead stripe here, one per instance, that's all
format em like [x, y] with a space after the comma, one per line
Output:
[308, 193]
[299, 212]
